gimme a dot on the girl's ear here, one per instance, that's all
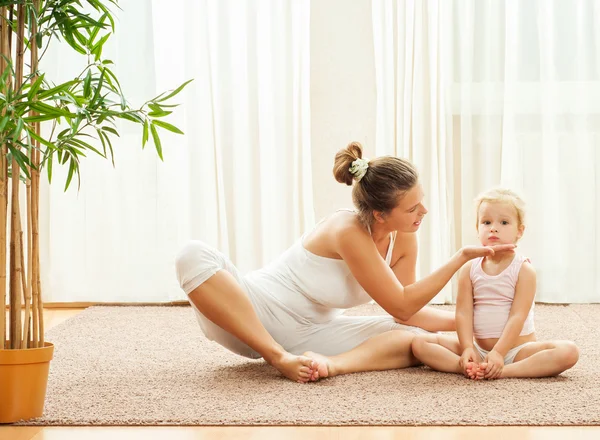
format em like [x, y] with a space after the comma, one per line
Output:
[521, 230]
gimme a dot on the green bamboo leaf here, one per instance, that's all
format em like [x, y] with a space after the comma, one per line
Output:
[46, 109]
[96, 49]
[111, 130]
[87, 84]
[170, 105]
[156, 139]
[18, 128]
[106, 141]
[113, 77]
[41, 140]
[49, 166]
[168, 126]
[7, 71]
[159, 114]
[145, 134]
[21, 159]
[101, 137]
[54, 90]
[60, 155]
[155, 107]
[79, 36]
[40, 118]
[98, 87]
[110, 147]
[95, 30]
[74, 149]
[101, 6]
[175, 92]
[88, 147]
[35, 87]
[133, 117]
[3, 122]
[72, 167]
[63, 133]
[67, 33]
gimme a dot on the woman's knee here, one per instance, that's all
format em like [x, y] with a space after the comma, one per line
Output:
[195, 263]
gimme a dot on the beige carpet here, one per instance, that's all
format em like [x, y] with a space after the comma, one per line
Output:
[151, 366]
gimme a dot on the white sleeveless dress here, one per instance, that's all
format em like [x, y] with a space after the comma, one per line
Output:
[300, 299]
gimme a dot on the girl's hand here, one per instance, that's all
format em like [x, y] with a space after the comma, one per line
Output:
[469, 362]
[470, 252]
[495, 364]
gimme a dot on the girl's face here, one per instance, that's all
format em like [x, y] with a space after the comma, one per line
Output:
[408, 214]
[498, 224]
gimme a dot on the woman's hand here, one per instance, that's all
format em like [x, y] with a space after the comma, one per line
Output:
[470, 252]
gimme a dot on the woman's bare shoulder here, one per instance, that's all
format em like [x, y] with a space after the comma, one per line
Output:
[344, 226]
[337, 229]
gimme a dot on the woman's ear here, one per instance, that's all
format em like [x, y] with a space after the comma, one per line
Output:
[379, 216]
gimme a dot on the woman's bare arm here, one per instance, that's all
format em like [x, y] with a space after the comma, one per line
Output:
[464, 308]
[405, 268]
[359, 252]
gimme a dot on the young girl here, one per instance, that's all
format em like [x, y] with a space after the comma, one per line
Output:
[494, 310]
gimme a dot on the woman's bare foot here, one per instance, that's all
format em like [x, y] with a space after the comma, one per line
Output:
[297, 368]
[322, 366]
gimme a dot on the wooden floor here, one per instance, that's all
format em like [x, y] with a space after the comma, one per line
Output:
[56, 316]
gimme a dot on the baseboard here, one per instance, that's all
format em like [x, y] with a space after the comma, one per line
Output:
[85, 305]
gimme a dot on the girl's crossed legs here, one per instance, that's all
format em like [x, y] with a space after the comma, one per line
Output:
[536, 359]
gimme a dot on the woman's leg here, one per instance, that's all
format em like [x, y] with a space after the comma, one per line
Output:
[387, 351]
[222, 300]
[432, 320]
[350, 344]
[213, 287]
[543, 359]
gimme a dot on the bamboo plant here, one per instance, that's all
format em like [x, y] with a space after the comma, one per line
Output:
[78, 116]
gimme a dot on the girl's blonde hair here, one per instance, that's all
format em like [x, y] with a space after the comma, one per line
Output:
[501, 195]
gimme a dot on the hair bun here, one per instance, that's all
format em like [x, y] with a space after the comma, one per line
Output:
[343, 162]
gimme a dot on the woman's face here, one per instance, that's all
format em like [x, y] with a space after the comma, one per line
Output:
[408, 214]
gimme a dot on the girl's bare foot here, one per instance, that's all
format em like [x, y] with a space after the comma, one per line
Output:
[297, 368]
[475, 371]
[322, 366]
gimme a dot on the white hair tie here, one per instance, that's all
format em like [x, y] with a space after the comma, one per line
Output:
[359, 168]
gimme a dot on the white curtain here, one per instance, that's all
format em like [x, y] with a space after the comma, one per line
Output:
[411, 120]
[240, 177]
[508, 93]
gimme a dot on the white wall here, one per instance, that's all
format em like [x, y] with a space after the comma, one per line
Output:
[342, 92]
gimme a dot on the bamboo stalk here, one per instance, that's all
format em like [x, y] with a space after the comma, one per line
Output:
[38, 311]
[15, 257]
[35, 293]
[29, 285]
[26, 293]
[11, 307]
[40, 303]
[4, 29]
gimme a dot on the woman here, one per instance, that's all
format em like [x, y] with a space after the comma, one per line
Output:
[289, 313]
